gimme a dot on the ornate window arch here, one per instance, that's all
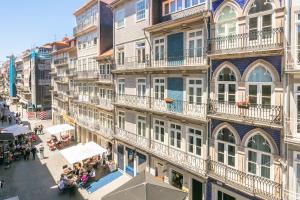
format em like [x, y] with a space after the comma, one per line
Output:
[259, 156]
[226, 146]
[226, 21]
[260, 20]
[226, 85]
[260, 86]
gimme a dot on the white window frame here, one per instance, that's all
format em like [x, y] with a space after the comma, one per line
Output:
[120, 18]
[226, 154]
[120, 56]
[226, 85]
[176, 132]
[140, 86]
[195, 137]
[141, 12]
[226, 23]
[297, 48]
[159, 88]
[195, 38]
[121, 86]
[295, 162]
[194, 86]
[140, 52]
[142, 123]
[297, 121]
[121, 120]
[159, 128]
[161, 55]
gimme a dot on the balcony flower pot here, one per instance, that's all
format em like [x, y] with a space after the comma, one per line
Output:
[169, 100]
[243, 104]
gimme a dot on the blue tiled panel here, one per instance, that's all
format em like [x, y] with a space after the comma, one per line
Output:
[243, 129]
[208, 189]
[243, 63]
[216, 4]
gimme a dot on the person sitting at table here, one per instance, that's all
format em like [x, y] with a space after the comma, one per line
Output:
[83, 180]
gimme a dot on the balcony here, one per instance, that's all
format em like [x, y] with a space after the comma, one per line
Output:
[60, 62]
[259, 114]
[133, 100]
[103, 103]
[293, 59]
[63, 96]
[43, 82]
[92, 74]
[269, 42]
[104, 131]
[81, 28]
[105, 78]
[43, 67]
[185, 13]
[174, 155]
[133, 139]
[132, 63]
[254, 185]
[180, 108]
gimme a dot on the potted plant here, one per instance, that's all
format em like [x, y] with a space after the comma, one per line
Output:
[169, 100]
[243, 104]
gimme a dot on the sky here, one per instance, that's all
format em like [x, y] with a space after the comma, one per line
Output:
[28, 23]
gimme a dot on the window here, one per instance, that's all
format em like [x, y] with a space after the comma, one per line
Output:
[171, 6]
[226, 22]
[102, 93]
[260, 87]
[194, 141]
[298, 38]
[260, 20]
[140, 52]
[297, 173]
[121, 86]
[159, 88]
[120, 57]
[224, 196]
[141, 87]
[297, 99]
[195, 44]
[140, 10]
[159, 130]
[109, 121]
[102, 69]
[141, 126]
[120, 18]
[95, 41]
[159, 49]
[195, 91]
[175, 135]
[226, 147]
[226, 85]
[259, 156]
[121, 120]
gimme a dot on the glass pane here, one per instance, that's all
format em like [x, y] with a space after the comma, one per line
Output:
[252, 156]
[252, 167]
[231, 161]
[221, 157]
[221, 147]
[266, 90]
[260, 74]
[231, 150]
[267, 20]
[265, 172]
[266, 160]
[253, 23]
[221, 88]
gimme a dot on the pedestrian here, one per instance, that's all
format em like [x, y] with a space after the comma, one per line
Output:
[2, 119]
[41, 131]
[41, 150]
[35, 130]
[33, 151]
[27, 152]
[9, 119]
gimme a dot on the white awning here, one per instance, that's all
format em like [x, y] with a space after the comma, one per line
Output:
[16, 130]
[81, 152]
[58, 129]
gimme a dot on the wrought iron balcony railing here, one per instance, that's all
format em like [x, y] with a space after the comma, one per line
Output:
[254, 113]
[293, 59]
[105, 78]
[179, 58]
[133, 100]
[60, 61]
[104, 131]
[101, 102]
[181, 108]
[43, 82]
[134, 139]
[87, 74]
[185, 12]
[251, 41]
[255, 185]
[133, 62]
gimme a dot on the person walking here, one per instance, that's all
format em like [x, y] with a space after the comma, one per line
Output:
[41, 130]
[41, 150]
[27, 152]
[33, 151]
[9, 119]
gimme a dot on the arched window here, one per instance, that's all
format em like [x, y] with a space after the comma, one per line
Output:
[226, 146]
[226, 85]
[260, 86]
[226, 22]
[260, 19]
[259, 156]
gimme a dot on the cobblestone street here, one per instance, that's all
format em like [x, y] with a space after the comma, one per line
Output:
[36, 179]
